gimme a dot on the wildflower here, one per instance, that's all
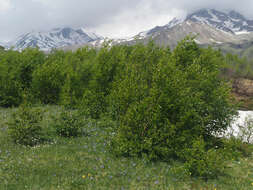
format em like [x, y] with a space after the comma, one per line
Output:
[89, 175]
[83, 176]
[252, 183]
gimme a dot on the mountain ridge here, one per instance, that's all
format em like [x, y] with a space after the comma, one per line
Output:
[210, 27]
[54, 38]
[232, 21]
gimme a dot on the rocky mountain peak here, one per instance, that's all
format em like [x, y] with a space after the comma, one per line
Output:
[55, 38]
[232, 22]
[235, 15]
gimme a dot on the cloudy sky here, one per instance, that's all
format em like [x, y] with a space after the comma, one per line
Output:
[111, 18]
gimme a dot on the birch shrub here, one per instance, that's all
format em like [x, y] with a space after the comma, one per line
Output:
[167, 100]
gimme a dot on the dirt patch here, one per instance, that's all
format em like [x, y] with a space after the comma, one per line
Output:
[243, 87]
[243, 92]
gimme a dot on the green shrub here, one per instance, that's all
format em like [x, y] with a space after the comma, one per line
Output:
[106, 68]
[142, 132]
[24, 127]
[106, 122]
[92, 104]
[236, 148]
[47, 81]
[135, 78]
[10, 87]
[69, 124]
[10, 93]
[204, 163]
[31, 58]
[165, 105]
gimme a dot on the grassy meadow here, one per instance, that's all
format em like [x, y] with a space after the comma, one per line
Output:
[86, 162]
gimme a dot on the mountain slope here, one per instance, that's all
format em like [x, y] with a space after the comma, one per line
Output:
[211, 27]
[55, 38]
[232, 22]
[208, 25]
[204, 33]
[228, 31]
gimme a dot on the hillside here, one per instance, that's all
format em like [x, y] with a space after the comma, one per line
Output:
[55, 38]
[229, 31]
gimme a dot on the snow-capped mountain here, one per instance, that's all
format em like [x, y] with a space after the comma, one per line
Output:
[209, 25]
[55, 38]
[232, 21]
[172, 23]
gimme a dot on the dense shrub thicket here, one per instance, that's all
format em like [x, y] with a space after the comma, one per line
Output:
[167, 104]
[71, 78]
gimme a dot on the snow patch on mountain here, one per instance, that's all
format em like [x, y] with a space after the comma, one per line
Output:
[55, 38]
[143, 34]
[208, 26]
[175, 21]
[91, 34]
[231, 22]
[242, 32]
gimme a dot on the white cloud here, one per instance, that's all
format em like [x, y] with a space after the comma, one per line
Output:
[113, 18]
[130, 22]
[5, 5]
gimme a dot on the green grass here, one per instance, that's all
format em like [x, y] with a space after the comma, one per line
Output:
[86, 163]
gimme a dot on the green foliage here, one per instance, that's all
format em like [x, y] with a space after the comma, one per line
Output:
[106, 70]
[160, 101]
[31, 59]
[236, 148]
[92, 104]
[10, 93]
[16, 70]
[237, 67]
[135, 79]
[202, 162]
[69, 124]
[164, 106]
[77, 73]
[142, 132]
[24, 127]
[10, 86]
[47, 82]
[106, 122]
[87, 163]
[67, 95]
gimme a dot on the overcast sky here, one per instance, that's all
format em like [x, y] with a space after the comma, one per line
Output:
[111, 18]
